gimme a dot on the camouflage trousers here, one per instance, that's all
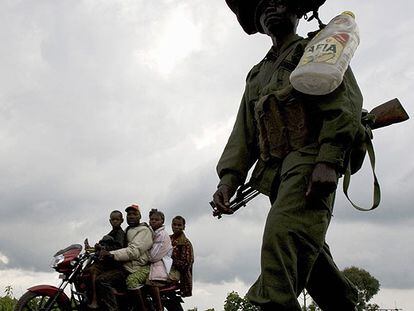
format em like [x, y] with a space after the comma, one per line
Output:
[294, 253]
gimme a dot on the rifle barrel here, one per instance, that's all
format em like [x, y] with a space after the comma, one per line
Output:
[251, 195]
[243, 195]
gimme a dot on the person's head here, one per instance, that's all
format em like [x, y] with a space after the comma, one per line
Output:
[116, 219]
[133, 215]
[248, 11]
[277, 17]
[178, 225]
[156, 219]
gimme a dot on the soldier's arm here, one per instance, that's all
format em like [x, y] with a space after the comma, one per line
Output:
[341, 113]
[238, 156]
[240, 152]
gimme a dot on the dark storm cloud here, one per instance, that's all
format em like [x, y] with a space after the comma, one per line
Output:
[194, 191]
[88, 128]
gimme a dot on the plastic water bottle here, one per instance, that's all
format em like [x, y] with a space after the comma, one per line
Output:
[327, 56]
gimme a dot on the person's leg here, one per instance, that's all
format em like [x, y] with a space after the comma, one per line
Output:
[94, 302]
[135, 282]
[136, 297]
[293, 237]
[155, 294]
[329, 288]
[105, 283]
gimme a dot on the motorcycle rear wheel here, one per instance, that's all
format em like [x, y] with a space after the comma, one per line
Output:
[31, 301]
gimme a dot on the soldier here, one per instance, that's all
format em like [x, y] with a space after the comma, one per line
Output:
[300, 144]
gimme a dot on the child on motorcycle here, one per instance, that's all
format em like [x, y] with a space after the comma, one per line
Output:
[182, 256]
[115, 238]
[160, 257]
[112, 241]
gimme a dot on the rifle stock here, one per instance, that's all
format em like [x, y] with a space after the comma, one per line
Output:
[388, 113]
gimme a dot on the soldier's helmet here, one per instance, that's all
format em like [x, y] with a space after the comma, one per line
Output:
[245, 11]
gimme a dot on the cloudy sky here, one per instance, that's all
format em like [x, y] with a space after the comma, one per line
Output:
[105, 103]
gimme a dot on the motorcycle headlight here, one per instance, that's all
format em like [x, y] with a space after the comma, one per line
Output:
[56, 260]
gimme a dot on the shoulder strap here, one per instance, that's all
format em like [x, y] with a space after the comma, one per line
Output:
[377, 190]
[281, 57]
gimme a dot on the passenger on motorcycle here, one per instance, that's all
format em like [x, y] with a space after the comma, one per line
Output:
[160, 257]
[135, 263]
[112, 241]
[183, 257]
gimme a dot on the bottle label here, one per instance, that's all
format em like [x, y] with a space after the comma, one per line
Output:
[327, 50]
[340, 20]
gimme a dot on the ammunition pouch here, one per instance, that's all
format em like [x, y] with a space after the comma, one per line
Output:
[283, 124]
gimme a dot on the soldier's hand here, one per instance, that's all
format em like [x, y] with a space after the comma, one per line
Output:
[324, 180]
[222, 198]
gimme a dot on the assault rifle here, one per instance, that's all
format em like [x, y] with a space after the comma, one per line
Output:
[383, 115]
[244, 194]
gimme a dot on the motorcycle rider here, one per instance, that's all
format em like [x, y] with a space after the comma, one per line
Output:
[135, 260]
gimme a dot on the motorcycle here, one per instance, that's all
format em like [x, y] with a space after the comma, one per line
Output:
[71, 264]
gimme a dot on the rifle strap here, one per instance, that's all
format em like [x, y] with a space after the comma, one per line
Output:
[377, 189]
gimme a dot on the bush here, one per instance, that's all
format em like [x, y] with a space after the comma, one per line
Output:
[7, 302]
[236, 303]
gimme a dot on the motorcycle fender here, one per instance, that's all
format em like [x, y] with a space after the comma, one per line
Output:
[49, 290]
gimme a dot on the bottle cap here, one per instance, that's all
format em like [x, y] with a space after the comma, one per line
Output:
[349, 13]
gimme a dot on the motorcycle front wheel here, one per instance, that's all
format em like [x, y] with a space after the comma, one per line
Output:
[31, 301]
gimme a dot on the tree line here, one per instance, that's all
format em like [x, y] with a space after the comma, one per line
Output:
[367, 286]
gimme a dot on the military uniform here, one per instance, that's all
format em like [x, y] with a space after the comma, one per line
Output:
[312, 129]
